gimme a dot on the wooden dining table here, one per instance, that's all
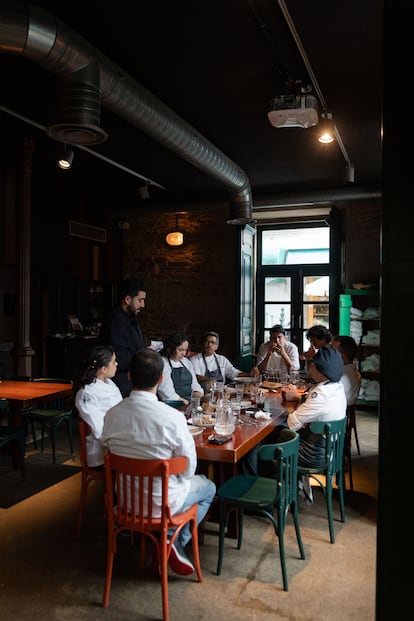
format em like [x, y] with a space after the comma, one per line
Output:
[220, 461]
[24, 394]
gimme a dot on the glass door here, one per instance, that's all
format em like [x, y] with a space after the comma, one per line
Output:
[295, 283]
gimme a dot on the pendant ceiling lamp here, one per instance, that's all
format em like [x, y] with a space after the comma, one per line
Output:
[175, 238]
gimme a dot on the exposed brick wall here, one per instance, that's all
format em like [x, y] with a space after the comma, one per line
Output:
[191, 288]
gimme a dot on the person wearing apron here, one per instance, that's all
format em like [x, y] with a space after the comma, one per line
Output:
[179, 381]
[209, 365]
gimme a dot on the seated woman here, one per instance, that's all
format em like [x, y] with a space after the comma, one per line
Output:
[95, 394]
[179, 381]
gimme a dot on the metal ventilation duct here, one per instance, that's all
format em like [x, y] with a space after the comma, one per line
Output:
[35, 34]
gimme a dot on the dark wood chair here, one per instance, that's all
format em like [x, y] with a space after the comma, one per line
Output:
[50, 415]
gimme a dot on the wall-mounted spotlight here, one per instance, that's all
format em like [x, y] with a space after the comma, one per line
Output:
[66, 159]
[143, 191]
[327, 128]
[175, 238]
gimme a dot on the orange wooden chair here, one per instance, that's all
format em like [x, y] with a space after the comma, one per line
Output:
[89, 473]
[135, 515]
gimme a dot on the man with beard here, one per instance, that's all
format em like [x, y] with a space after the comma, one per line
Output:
[121, 329]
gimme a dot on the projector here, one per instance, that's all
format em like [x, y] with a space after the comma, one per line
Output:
[294, 111]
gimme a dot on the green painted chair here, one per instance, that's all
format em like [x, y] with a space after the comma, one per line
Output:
[333, 468]
[271, 498]
[50, 415]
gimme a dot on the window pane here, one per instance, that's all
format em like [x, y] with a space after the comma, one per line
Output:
[316, 314]
[316, 288]
[277, 313]
[277, 289]
[295, 246]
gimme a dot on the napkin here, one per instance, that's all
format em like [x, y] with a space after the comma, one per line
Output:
[262, 415]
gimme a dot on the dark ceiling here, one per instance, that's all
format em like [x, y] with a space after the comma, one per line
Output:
[217, 64]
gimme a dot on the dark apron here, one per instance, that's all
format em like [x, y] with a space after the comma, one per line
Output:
[215, 375]
[182, 380]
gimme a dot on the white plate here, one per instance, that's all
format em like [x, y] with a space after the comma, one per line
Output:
[195, 431]
[205, 425]
[244, 380]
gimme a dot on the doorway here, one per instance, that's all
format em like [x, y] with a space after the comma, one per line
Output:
[297, 283]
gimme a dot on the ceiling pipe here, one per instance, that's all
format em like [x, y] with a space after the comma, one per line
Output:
[310, 198]
[36, 35]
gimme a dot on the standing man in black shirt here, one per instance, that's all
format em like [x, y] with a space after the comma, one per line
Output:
[121, 329]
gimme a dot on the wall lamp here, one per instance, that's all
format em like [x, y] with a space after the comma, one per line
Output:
[66, 159]
[175, 238]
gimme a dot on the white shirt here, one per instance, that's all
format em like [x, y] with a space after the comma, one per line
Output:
[228, 371]
[325, 402]
[276, 361]
[351, 379]
[166, 390]
[145, 428]
[92, 402]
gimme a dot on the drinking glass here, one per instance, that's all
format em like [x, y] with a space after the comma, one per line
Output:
[240, 391]
[236, 408]
[197, 416]
[260, 398]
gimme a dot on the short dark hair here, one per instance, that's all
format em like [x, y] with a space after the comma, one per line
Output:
[131, 287]
[347, 345]
[145, 369]
[319, 332]
[278, 329]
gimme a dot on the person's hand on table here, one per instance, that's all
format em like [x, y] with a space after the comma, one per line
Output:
[289, 393]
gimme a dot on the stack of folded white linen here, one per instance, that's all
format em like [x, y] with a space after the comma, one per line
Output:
[356, 313]
[372, 337]
[370, 390]
[371, 363]
[356, 331]
[371, 312]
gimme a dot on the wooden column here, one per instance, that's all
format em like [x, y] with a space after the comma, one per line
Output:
[23, 352]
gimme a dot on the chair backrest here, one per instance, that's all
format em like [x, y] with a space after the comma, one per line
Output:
[57, 403]
[285, 454]
[84, 431]
[334, 432]
[135, 481]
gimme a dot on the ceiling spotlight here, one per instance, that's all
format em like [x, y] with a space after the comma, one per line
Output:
[327, 131]
[66, 159]
[349, 173]
[143, 192]
[175, 238]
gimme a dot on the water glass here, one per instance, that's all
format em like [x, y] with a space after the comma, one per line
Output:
[194, 403]
[236, 408]
[294, 376]
[197, 416]
[260, 398]
[284, 378]
[240, 391]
